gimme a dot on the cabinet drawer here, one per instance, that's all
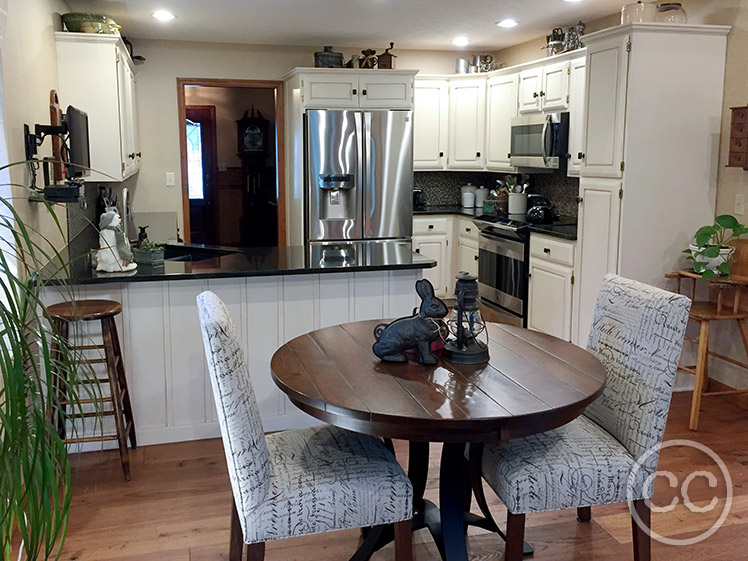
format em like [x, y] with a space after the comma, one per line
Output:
[552, 250]
[738, 144]
[468, 230]
[739, 115]
[739, 130]
[430, 226]
[737, 159]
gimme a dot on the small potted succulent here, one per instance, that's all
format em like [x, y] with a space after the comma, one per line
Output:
[710, 253]
[148, 253]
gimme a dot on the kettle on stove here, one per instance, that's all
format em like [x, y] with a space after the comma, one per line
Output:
[540, 210]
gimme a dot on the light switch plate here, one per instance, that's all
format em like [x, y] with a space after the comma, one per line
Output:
[740, 203]
[170, 179]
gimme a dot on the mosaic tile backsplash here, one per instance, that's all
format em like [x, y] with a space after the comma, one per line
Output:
[443, 187]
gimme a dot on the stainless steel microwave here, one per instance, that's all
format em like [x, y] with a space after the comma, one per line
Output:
[540, 141]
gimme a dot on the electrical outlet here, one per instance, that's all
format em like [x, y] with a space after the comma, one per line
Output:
[740, 203]
[170, 179]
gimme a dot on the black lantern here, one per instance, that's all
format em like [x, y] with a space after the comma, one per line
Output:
[470, 343]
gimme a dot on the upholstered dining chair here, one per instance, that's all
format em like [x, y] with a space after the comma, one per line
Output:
[637, 333]
[296, 482]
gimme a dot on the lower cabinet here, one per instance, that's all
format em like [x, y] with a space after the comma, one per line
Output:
[435, 247]
[468, 251]
[551, 286]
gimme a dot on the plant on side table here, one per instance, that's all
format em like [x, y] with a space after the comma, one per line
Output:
[35, 477]
[148, 253]
[711, 254]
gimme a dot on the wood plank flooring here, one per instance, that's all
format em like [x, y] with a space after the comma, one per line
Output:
[176, 508]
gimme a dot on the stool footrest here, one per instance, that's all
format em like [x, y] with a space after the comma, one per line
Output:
[83, 439]
[90, 401]
[102, 413]
[88, 347]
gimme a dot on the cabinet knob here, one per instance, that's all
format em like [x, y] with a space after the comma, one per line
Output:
[477, 154]
[580, 200]
[131, 156]
[475, 257]
[355, 91]
[580, 156]
[418, 250]
[363, 92]
[139, 154]
[431, 226]
[509, 155]
[534, 94]
[547, 250]
[468, 230]
[542, 94]
[441, 154]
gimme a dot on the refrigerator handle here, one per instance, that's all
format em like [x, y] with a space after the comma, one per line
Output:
[367, 116]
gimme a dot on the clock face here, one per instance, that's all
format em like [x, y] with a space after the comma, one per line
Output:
[253, 139]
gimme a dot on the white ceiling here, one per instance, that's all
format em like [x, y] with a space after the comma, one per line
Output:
[411, 24]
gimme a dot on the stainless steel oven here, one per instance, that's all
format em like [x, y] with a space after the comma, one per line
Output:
[540, 141]
[503, 267]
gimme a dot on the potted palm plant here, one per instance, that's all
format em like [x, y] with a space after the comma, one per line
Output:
[710, 251]
[35, 477]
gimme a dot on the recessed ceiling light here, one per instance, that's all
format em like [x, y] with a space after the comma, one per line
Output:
[460, 41]
[163, 15]
[508, 22]
[572, 1]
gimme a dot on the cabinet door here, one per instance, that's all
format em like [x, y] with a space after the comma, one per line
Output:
[502, 108]
[468, 254]
[555, 91]
[385, 91]
[430, 124]
[550, 299]
[134, 129]
[607, 77]
[529, 90]
[576, 115]
[434, 247]
[124, 93]
[326, 91]
[599, 222]
[467, 116]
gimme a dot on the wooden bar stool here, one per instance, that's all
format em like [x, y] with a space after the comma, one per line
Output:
[727, 307]
[119, 397]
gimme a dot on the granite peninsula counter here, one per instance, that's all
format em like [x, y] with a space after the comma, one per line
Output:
[273, 294]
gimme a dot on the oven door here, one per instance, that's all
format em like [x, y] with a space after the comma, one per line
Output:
[533, 141]
[502, 273]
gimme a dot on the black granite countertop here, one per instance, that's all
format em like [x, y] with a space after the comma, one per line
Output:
[202, 262]
[564, 227]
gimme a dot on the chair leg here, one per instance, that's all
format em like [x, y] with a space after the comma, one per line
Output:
[236, 542]
[642, 540]
[698, 387]
[404, 541]
[256, 551]
[515, 536]
[119, 419]
[584, 513]
[122, 378]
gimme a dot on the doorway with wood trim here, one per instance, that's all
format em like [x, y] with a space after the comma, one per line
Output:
[232, 162]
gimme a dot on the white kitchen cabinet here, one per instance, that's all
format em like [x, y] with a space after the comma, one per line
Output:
[467, 246]
[435, 247]
[607, 79]
[96, 75]
[648, 180]
[430, 124]
[555, 92]
[577, 83]
[353, 89]
[551, 286]
[467, 123]
[530, 82]
[501, 108]
[468, 251]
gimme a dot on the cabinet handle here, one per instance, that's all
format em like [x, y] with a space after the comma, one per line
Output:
[468, 230]
[431, 226]
[355, 91]
[580, 200]
[542, 94]
[580, 156]
[363, 92]
[441, 154]
[131, 156]
[475, 257]
[534, 94]
[547, 250]
[477, 154]
[509, 155]
[418, 250]
[139, 154]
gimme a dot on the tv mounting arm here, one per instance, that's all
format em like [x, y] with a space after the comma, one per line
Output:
[68, 193]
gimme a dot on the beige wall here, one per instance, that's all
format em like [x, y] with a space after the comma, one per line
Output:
[157, 97]
[29, 67]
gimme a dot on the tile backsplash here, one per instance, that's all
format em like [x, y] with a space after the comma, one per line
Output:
[443, 187]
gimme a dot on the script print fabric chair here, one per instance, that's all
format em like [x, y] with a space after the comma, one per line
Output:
[297, 482]
[637, 333]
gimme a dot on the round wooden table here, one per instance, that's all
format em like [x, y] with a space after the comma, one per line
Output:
[532, 383]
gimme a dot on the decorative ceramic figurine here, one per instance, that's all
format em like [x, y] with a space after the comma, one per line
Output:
[418, 331]
[114, 254]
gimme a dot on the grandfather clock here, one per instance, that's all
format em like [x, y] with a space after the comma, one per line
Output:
[259, 216]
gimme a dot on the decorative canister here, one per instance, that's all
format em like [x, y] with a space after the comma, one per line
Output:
[671, 12]
[326, 58]
[461, 67]
[638, 13]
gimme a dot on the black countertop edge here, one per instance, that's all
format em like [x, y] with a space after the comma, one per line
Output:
[254, 262]
[565, 227]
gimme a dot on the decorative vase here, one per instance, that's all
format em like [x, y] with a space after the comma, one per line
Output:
[712, 263]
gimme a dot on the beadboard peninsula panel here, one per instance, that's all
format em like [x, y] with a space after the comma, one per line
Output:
[162, 343]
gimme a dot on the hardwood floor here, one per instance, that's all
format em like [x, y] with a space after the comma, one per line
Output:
[176, 508]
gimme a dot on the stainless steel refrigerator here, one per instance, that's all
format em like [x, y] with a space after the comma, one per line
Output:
[359, 175]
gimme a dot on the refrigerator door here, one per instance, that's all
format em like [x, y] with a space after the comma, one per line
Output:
[334, 175]
[388, 177]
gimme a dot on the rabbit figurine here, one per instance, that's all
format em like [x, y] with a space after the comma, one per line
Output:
[418, 331]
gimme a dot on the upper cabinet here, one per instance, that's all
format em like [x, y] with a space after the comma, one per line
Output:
[430, 124]
[467, 122]
[545, 88]
[501, 109]
[365, 89]
[97, 76]
[577, 83]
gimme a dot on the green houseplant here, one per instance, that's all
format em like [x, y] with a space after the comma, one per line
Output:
[35, 476]
[711, 254]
